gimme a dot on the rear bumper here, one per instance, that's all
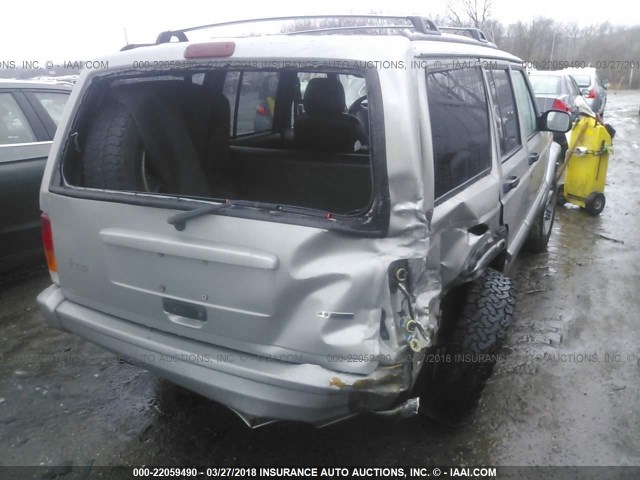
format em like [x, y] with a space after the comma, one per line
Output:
[259, 389]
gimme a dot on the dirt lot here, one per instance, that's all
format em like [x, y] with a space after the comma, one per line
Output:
[566, 393]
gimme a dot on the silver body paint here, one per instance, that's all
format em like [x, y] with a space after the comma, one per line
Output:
[294, 313]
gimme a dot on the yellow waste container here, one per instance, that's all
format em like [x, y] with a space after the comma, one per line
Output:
[588, 159]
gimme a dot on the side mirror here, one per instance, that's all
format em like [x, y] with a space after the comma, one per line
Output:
[555, 121]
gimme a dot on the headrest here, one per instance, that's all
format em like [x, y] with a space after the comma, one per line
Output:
[324, 96]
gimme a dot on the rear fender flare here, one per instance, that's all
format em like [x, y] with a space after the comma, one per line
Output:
[483, 254]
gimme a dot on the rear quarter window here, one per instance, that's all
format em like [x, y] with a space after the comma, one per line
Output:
[53, 103]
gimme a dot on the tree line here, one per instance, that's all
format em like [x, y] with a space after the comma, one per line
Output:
[542, 42]
[552, 43]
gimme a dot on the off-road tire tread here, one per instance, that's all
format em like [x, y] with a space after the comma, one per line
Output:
[486, 315]
[481, 329]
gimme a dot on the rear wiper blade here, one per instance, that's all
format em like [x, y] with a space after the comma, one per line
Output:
[179, 220]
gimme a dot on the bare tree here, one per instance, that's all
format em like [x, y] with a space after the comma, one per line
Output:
[377, 24]
[532, 40]
[614, 50]
[469, 13]
[494, 30]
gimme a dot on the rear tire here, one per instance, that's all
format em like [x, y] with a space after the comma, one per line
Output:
[595, 203]
[450, 386]
[540, 232]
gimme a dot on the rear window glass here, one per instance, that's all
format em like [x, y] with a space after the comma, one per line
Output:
[274, 139]
[582, 80]
[546, 84]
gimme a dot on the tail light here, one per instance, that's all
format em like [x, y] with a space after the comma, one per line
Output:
[591, 93]
[260, 110]
[560, 105]
[47, 240]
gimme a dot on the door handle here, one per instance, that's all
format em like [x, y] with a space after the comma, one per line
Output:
[533, 158]
[510, 183]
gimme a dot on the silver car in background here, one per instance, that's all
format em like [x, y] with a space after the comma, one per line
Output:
[557, 90]
[591, 87]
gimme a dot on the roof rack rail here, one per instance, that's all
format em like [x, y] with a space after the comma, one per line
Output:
[131, 46]
[352, 28]
[474, 33]
[418, 24]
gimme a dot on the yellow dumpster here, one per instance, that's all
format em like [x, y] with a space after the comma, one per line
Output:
[586, 165]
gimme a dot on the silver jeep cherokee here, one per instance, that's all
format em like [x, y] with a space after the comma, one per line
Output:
[222, 213]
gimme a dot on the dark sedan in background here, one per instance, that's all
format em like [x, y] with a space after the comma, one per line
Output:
[29, 115]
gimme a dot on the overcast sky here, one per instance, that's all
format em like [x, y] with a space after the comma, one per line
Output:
[86, 29]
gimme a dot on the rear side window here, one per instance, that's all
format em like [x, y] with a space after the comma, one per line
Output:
[506, 115]
[460, 127]
[252, 96]
[14, 127]
[53, 103]
[525, 102]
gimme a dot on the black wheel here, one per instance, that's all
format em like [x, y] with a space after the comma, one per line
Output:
[540, 232]
[595, 203]
[114, 155]
[451, 384]
[561, 199]
[561, 140]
